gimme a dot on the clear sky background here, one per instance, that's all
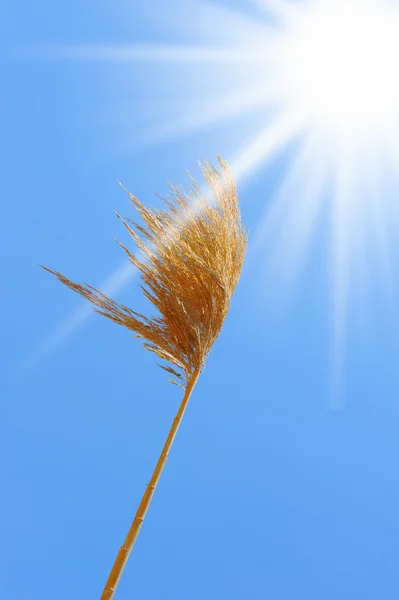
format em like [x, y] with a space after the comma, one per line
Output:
[277, 488]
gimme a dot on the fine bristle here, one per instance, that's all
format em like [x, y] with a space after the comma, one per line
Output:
[193, 254]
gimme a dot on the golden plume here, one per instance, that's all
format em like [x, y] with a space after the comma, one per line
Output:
[193, 253]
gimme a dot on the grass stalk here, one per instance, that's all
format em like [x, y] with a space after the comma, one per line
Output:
[126, 548]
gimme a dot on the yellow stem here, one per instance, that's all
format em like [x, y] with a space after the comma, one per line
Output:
[131, 537]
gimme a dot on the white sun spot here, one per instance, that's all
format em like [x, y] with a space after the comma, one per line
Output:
[338, 64]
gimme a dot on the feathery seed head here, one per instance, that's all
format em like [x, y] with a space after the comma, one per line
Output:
[192, 259]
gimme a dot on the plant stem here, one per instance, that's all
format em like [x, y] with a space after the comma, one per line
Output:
[131, 537]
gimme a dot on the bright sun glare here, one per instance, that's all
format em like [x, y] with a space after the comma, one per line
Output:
[324, 71]
[338, 66]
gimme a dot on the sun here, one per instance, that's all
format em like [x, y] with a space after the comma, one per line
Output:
[338, 67]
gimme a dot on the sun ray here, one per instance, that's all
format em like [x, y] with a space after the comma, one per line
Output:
[282, 9]
[209, 20]
[160, 53]
[269, 141]
[278, 208]
[287, 225]
[214, 111]
[111, 286]
[344, 243]
[378, 240]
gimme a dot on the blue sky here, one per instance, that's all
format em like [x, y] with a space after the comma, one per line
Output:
[275, 489]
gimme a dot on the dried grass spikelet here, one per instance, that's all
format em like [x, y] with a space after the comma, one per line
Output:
[193, 254]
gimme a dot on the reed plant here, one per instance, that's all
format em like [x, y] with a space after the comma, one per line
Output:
[192, 253]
